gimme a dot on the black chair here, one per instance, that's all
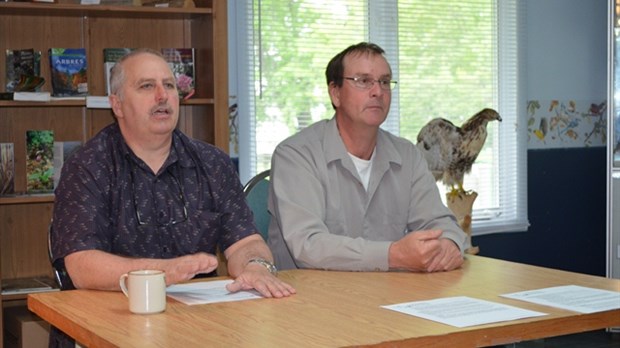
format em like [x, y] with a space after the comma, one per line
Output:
[60, 272]
[256, 194]
[59, 339]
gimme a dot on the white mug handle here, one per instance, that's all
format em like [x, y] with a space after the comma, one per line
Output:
[123, 284]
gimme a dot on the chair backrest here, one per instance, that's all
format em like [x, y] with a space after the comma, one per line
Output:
[256, 194]
[60, 272]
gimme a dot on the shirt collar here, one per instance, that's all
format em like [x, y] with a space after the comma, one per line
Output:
[335, 150]
[178, 152]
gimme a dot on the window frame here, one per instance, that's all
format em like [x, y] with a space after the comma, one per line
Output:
[512, 142]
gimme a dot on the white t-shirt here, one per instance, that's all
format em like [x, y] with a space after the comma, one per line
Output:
[364, 167]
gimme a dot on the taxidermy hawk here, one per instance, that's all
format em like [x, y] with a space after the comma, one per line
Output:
[451, 150]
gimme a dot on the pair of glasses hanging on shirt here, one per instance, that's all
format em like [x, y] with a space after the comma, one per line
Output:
[172, 220]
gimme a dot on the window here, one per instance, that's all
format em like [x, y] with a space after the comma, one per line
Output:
[451, 58]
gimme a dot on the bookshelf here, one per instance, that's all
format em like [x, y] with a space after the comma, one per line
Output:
[24, 218]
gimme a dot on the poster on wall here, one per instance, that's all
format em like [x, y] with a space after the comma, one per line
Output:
[566, 124]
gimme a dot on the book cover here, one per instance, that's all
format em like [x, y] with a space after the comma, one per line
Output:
[62, 151]
[23, 68]
[32, 96]
[39, 161]
[110, 57]
[7, 169]
[68, 68]
[181, 61]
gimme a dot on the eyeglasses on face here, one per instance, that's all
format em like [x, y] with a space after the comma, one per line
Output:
[172, 221]
[365, 82]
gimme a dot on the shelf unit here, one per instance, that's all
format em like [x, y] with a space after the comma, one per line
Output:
[24, 218]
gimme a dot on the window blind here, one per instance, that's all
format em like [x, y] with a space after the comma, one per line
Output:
[451, 59]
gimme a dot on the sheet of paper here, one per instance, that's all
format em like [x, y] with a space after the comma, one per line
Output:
[208, 292]
[462, 311]
[572, 297]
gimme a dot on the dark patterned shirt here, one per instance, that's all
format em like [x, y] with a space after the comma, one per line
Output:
[108, 199]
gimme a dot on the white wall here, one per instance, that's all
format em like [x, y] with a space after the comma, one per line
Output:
[566, 49]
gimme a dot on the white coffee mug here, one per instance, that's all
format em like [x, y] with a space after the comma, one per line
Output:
[146, 290]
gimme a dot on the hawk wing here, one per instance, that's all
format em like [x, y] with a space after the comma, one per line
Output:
[438, 140]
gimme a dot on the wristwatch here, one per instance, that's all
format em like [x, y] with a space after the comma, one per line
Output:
[270, 266]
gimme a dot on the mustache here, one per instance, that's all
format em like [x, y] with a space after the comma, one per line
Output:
[165, 107]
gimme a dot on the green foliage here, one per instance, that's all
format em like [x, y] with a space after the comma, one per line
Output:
[42, 179]
[39, 140]
[40, 164]
[296, 47]
[447, 65]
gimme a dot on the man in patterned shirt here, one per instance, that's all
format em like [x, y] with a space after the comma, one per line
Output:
[142, 195]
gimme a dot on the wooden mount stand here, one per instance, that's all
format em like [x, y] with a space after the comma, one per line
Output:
[461, 206]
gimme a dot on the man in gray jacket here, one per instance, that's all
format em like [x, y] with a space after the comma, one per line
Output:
[347, 195]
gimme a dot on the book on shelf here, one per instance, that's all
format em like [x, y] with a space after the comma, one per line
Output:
[50, 1]
[28, 285]
[110, 2]
[68, 67]
[7, 169]
[38, 96]
[62, 151]
[39, 161]
[110, 57]
[32, 96]
[181, 61]
[23, 67]
[98, 102]
[78, 98]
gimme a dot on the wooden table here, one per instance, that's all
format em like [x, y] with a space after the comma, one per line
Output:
[330, 309]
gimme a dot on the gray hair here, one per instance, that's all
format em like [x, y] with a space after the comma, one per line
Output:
[117, 74]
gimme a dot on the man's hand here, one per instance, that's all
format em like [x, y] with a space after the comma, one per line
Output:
[449, 257]
[256, 276]
[184, 268]
[424, 251]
